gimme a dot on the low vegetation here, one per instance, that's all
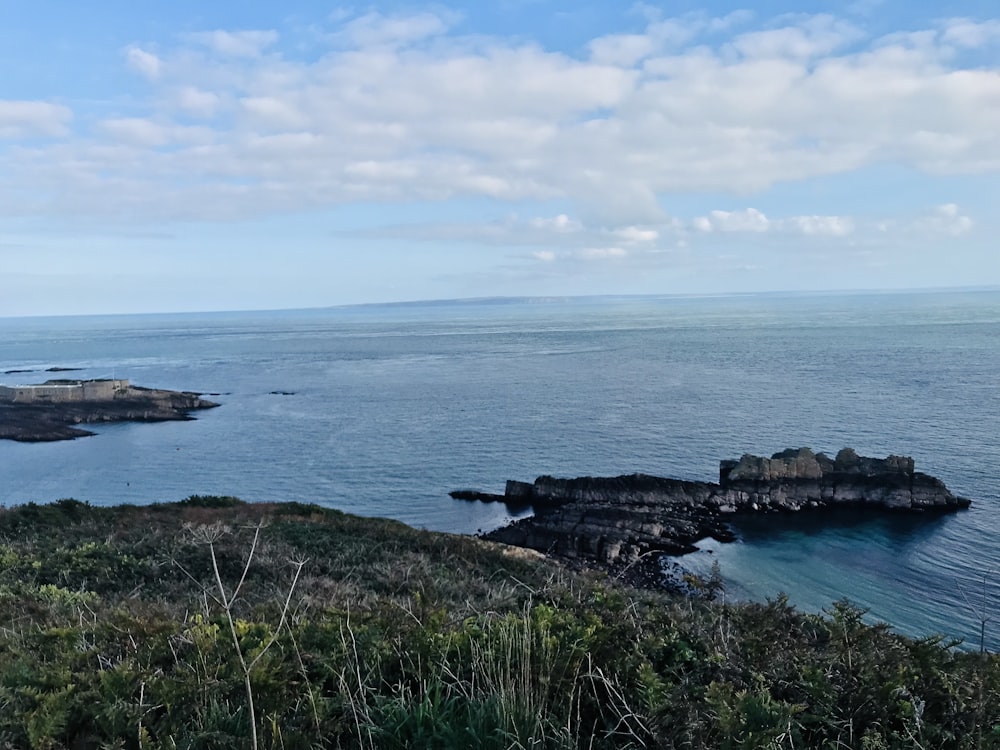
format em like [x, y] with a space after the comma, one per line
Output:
[212, 623]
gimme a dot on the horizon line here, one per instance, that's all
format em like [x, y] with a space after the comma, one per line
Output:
[528, 298]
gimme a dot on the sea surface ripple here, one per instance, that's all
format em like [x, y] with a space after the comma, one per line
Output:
[381, 410]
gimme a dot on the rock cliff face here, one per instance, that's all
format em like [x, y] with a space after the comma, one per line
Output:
[617, 520]
[795, 479]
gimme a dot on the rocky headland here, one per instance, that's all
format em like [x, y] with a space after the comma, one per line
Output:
[616, 521]
[54, 410]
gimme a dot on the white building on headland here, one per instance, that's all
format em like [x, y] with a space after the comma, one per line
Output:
[64, 391]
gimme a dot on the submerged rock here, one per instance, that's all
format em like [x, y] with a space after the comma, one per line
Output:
[615, 521]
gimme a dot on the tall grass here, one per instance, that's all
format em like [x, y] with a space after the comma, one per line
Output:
[397, 638]
[499, 682]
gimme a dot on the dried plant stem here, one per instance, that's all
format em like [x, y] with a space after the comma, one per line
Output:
[226, 601]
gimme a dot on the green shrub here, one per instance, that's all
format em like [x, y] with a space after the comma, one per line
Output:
[113, 634]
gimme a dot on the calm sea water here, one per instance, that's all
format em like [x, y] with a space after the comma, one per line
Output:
[390, 407]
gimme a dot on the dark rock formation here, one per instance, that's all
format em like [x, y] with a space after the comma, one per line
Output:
[34, 422]
[484, 497]
[616, 521]
[795, 479]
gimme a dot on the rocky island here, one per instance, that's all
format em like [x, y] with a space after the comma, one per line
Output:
[53, 410]
[616, 521]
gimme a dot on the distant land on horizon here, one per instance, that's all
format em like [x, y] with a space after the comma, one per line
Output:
[544, 298]
[538, 299]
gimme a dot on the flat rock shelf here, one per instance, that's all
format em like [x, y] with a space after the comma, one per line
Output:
[617, 522]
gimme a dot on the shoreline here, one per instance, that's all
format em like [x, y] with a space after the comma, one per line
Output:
[53, 410]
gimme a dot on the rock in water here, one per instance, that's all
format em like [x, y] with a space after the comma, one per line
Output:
[50, 411]
[615, 521]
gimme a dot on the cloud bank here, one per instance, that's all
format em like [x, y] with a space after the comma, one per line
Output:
[399, 107]
[588, 155]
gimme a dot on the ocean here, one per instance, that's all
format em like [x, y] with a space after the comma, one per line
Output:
[381, 410]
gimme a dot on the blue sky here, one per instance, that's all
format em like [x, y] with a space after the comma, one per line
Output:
[206, 156]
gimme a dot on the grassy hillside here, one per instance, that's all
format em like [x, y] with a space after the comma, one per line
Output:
[145, 627]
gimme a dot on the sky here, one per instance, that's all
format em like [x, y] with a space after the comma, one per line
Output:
[189, 156]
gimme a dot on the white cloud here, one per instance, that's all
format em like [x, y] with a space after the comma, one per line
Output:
[136, 131]
[864, 7]
[382, 171]
[702, 224]
[196, 101]
[140, 133]
[236, 43]
[565, 247]
[581, 255]
[273, 112]
[145, 63]
[945, 219]
[818, 35]
[560, 224]
[602, 253]
[376, 29]
[963, 32]
[747, 220]
[750, 220]
[621, 49]
[830, 226]
[730, 20]
[19, 119]
[570, 236]
[403, 108]
[637, 235]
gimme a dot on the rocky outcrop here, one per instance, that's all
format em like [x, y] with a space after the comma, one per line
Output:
[802, 463]
[796, 479]
[618, 520]
[40, 421]
[612, 519]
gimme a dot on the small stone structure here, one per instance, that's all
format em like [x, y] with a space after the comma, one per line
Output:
[64, 391]
[55, 410]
